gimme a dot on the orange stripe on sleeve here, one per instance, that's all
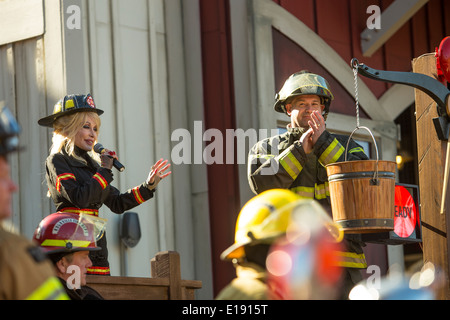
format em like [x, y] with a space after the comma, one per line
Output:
[137, 195]
[102, 181]
[61, 177]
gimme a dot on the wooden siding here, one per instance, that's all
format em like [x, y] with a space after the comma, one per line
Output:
[21, 90]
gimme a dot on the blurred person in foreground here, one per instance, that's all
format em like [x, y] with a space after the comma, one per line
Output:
[25, 272]
[263, 222]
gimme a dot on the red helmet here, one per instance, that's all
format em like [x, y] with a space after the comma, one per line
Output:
[69, 232]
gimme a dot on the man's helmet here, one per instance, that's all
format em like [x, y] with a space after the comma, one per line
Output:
[9, 131]
[263, 218]
[304, 83]
[69, 232]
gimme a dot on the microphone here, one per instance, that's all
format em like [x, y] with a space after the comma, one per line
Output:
[100, 149]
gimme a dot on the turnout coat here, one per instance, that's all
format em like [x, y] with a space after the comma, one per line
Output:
[79, 184]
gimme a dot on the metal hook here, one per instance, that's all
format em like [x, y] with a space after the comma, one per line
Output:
[354, 63]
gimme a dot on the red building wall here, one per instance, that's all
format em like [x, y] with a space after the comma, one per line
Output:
[223, 181]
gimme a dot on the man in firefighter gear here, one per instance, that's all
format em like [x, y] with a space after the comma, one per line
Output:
[263, 221]
[296, 159]
[67, 239]
[25, 272]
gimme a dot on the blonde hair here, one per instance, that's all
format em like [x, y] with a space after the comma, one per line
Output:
[65, 130]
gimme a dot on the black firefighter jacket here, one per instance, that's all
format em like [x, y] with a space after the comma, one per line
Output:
[82, 184]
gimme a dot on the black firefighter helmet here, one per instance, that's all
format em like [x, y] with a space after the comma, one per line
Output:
[70, 104]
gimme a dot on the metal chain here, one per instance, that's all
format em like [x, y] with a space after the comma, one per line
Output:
[355, 73]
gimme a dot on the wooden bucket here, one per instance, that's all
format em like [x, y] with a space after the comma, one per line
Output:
[362, 194]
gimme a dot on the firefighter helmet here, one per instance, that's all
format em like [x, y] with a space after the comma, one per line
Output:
[262, 219]
[68, 105]
[304, 83]
[9, 131]
[443, 60]
[69, 232]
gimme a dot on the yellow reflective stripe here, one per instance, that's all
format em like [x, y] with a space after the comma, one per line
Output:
[332, 153]
[353, 255]
[357, 149]
[99, 270]
[92, 212]
[62, 243]
[355, 265]
[319, 191]
[291, 165]
[102, 181]
[322, 191]
[51, 289]
[352, 260]
[304, 192]
[61, 177]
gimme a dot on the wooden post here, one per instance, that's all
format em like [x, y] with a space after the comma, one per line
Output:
[431, 157]
[167, 265]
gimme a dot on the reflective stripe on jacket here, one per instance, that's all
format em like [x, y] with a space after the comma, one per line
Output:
[49, 290]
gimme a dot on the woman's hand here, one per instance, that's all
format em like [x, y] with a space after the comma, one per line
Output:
[158, 173]
[107, 158]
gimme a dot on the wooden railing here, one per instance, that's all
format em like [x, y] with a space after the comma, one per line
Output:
[165, 282]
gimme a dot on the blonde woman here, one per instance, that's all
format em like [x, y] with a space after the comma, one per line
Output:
[79, 180]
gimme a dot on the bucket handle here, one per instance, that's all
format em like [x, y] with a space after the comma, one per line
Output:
[374, 181]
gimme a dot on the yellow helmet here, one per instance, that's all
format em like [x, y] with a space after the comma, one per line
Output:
[263, 218]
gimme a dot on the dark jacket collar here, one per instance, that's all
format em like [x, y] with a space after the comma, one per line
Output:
[293, 134]
[84, 159]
